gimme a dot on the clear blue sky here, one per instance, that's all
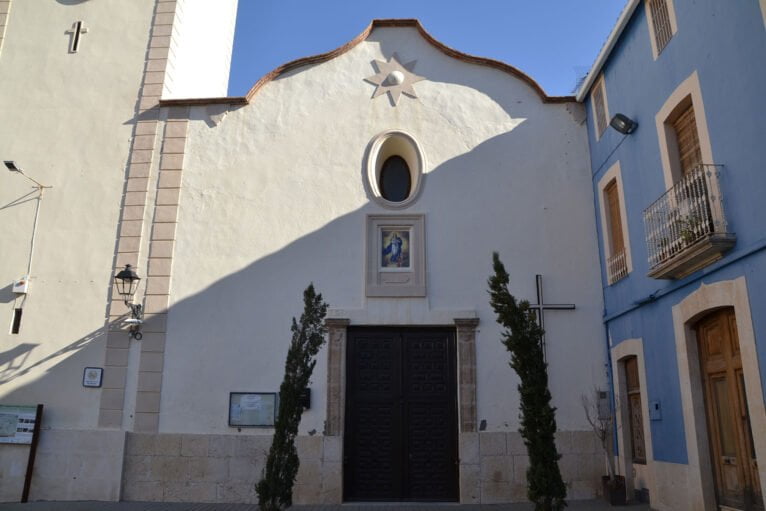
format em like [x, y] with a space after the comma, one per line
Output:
[553, 41]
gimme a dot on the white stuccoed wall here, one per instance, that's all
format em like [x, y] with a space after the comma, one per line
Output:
[66, 119]
[203, 36]
[273, 198]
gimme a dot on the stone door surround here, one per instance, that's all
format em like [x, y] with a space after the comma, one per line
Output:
[466, 373]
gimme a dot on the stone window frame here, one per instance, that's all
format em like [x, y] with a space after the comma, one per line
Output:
[687, 91]
[397, 282]
[656, 50]
[613, 174]
[389, 143]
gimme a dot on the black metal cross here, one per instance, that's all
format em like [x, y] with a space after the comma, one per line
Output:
[75, 31]
[540, 307]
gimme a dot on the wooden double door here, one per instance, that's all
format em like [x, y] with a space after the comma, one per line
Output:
[400, 439]
[731, 437]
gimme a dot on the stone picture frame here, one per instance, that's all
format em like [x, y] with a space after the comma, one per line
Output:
[395, 256]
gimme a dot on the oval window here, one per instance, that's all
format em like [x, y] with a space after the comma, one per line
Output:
[395, 180]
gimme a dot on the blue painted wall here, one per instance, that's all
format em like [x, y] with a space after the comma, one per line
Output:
[725, 42]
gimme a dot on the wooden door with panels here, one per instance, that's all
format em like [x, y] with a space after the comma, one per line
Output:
[732, 451]
[400, 439]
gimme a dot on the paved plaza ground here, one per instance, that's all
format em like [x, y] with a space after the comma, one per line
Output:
[582, 505]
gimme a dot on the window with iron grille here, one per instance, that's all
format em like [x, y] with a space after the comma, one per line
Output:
[663, 30]
[598, 97]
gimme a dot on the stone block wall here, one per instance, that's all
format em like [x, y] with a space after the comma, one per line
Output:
[493, 466]
[224, 468]
[88, 465]
[13, 466]
[70, 465]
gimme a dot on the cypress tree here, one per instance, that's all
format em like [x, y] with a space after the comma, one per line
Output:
[522, 337]
[275, 489]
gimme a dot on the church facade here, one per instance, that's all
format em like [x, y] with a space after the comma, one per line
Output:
[385, 172]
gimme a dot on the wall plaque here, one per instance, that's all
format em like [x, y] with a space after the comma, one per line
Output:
[252, 409]
[92, 376]
[17, 424]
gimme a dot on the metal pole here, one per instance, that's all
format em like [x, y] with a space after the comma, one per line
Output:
[32, 452]
[34, 231]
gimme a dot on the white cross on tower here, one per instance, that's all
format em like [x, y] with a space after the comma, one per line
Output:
[74, 39]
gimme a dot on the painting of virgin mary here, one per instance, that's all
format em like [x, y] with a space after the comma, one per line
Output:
[395, 248]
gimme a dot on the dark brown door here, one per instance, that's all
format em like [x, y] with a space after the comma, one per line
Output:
[731, 439]
[400, 441]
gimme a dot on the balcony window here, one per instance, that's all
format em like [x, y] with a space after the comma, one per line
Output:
[617, 266]
[685, 227]
[616, 240]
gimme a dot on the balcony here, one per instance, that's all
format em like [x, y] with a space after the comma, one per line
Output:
[617, 266]
[686, 228]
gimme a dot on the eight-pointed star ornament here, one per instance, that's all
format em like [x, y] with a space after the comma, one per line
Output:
[395, 78]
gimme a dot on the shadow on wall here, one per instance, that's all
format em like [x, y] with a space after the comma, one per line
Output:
[502, 191]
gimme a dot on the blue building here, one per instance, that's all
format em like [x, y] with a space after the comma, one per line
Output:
[679, 186]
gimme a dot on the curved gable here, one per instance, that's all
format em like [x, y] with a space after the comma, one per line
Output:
[410, 23]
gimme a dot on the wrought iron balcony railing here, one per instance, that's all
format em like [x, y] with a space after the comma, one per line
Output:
[617, 266]
[686, 216]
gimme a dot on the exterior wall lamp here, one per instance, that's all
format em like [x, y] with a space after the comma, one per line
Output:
[623, 124]
[127, 284]
[21, 286]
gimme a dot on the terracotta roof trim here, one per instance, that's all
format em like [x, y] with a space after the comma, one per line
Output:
[323, 57]
[316, 59]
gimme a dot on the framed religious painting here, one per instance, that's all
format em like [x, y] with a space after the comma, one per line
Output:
[395, 255]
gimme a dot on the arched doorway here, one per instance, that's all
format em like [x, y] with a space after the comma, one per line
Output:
[732, 450]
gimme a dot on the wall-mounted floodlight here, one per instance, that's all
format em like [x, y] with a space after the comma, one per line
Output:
[13, 167]
[623, 124]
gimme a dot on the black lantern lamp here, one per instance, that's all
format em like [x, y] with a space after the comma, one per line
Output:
[127, 283]
[623, 124]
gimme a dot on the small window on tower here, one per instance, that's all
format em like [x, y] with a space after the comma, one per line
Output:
[16, 324]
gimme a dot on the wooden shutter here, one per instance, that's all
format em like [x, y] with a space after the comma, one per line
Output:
[663, 31]
[616, 240]
[599, 106]
[688, 140]
[635, 411]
